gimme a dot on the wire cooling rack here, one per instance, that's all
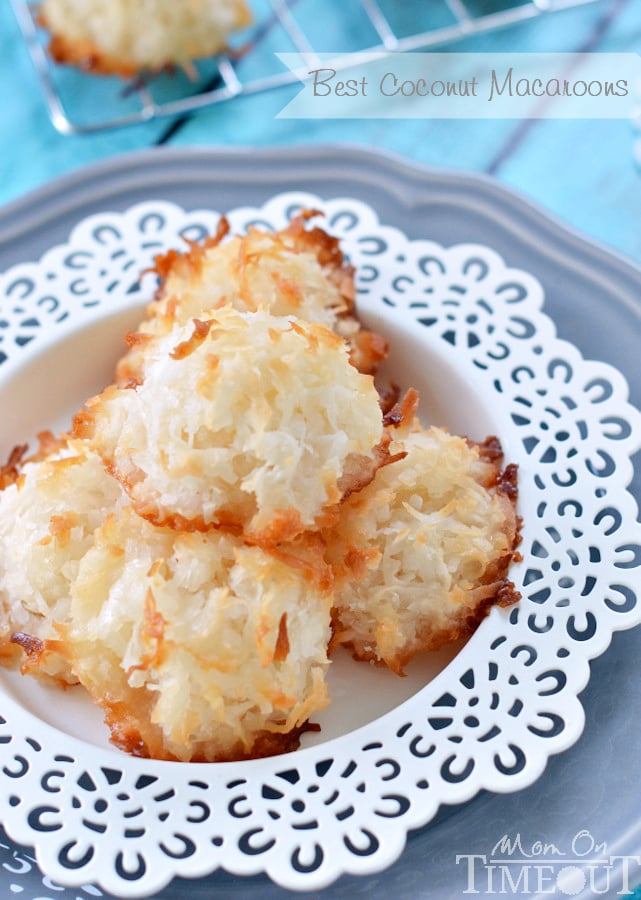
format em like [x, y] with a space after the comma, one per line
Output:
[80, 103]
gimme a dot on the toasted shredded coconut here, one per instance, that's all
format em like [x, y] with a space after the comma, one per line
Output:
[198, 646]
[247, 419]
[423, 551]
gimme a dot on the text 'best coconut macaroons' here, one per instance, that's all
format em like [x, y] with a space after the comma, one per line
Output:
[243, 419]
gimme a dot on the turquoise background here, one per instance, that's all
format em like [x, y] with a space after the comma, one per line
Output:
[584, 171]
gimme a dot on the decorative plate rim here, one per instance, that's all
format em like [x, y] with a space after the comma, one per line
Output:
[142, 166]
[360, 861]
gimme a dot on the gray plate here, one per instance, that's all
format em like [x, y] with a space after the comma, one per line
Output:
[589, 795]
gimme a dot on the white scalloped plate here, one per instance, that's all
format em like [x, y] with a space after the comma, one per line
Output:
[468, 331]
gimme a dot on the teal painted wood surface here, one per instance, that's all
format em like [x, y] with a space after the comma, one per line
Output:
[583, 171]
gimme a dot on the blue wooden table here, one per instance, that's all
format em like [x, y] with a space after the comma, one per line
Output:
[584, 171]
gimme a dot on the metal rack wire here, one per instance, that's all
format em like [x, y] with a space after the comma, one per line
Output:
[79, 103]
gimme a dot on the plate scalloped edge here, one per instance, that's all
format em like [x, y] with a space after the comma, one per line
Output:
[491, 719]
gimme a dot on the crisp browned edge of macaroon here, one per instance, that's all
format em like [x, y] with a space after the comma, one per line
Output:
[11, 471]
[190, 261]
[127, 735]
[86, 55]
[427, 639]
[127, 726]
[35, 656]
[132, 731]
[367, 348]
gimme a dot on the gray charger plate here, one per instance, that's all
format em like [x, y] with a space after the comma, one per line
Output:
[594, 297]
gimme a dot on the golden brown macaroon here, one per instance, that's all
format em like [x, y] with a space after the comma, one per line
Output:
[198, 647]
[299, 270]
[245, 419]
[120, 37]
[422, 552]
[48, 513]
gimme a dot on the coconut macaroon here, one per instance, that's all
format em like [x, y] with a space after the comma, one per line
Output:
[299, 270]
[244, 419]
[197, 646]
[48, 513]
[422, 552]
[118, 37]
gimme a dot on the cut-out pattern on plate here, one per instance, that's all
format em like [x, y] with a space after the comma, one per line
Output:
[491, 719]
